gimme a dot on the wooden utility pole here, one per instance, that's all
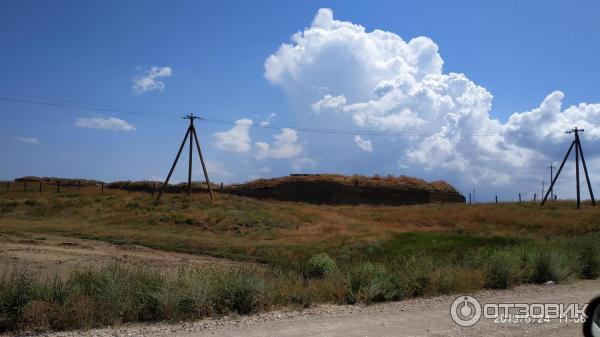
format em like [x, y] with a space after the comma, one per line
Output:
[578, 151]
[543, 185]
[191, 132]
[551, 167]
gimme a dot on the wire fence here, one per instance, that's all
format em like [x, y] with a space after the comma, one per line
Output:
[97, 188]
[53, 187]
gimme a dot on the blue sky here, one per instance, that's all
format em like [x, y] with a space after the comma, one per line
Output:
[518, 51]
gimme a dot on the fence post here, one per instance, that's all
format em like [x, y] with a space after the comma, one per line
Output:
[153, 188]
[519, 197]
[469, 198]
[40, 187]
[496, 199]
[58, 186]
[534, 197]
[221, 186]
[102, 188]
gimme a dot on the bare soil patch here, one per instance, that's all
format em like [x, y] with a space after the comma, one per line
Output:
[49, 255]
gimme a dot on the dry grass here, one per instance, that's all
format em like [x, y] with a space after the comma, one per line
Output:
[377, 253]
[248, 229]
[401, 182]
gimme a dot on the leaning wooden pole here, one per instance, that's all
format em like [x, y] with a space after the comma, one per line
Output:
[173, 166]
[189, 186]
[203, 165]
[587, 176]
[558, 172]
[577, 173]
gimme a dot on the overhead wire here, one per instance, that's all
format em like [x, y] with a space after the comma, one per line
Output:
[69, 103]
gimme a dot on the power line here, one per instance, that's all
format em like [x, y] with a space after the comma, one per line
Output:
[67, 103]
[90, 107]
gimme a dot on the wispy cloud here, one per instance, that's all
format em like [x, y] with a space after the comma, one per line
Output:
[27, 140]
[148, 81]
[268, 120]
[106, 123]
[364, 144]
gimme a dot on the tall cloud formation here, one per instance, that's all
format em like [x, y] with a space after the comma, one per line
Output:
[378, 81]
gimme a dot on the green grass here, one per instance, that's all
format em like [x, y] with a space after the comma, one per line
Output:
[309, 254]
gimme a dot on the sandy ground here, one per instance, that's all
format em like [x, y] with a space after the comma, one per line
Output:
[417, 317]
[48, 255]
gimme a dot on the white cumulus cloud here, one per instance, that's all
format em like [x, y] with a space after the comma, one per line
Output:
[285, 146]
[363, 144]
[101, 122]
[329, 102]
[236, 139]
[149, 80]
[378, 81]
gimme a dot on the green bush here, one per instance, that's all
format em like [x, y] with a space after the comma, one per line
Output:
[366, 283]
[589, 257]
[240, 291]
[551, 266]
[319, 266]
[16, 291]
[499, 273]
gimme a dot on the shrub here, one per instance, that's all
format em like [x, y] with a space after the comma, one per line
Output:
[15, 293]
[240, 291]
[550, 266]
[589, 257]
[366, 283]
[319, 266]
[499, 273]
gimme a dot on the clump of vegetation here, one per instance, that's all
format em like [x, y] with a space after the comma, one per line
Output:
[499, 271]
[91, 298]
[552, 266]
[589, 256]
[319, 266]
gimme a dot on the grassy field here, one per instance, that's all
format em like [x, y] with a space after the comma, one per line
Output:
[307, 254]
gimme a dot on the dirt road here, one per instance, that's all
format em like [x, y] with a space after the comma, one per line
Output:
[418, 317]
[50, 255]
